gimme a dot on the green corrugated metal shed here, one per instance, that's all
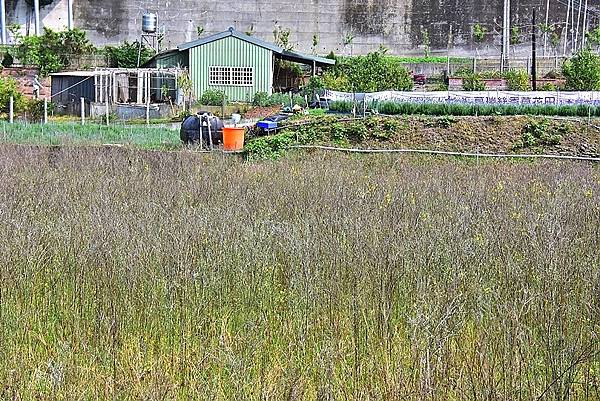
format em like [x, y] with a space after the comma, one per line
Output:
[238, 64]
[232, 52]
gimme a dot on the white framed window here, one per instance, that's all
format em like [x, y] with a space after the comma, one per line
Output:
[232, 76]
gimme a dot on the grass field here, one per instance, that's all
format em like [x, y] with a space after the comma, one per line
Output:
[73, 133]
[135, 275]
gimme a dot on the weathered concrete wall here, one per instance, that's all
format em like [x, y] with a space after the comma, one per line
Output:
[397, 24]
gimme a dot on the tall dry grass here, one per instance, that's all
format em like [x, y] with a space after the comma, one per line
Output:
[134, 275]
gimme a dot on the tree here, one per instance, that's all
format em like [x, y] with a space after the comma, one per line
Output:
[126, 55]
[582, 71]
[52, 51]
[371, 73]
[593, 36]
[10, 88]
[479, 32]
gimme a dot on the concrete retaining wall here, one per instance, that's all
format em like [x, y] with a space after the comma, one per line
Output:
[400, 25]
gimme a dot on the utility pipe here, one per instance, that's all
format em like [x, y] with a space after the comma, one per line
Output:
[3, 20]
[36, 11]
[69, 14]
[567, 28]
[585, 25]
[546, 26]
[578, 20]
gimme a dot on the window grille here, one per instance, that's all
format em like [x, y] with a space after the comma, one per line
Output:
[231, 76]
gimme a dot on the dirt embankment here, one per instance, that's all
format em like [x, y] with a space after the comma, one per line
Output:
[506, 134]
[490, 134]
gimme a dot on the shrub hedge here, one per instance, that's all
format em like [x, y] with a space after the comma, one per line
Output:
[461, 109]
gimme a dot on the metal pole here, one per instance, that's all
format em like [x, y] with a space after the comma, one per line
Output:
[567, 28]
[546, 26]
[533, 53]
[572, 25]
[82, 111]
[100, 87]
[46, 110]
[70, 14]
[578, 20]
[107, 106]
[36, 11]
[506, 34]
[148, 99]
[585, 25]
[3, 20]
[11, 110]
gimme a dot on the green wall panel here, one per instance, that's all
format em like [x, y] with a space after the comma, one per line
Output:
[232, 52]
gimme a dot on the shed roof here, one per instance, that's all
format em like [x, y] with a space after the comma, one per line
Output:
[284, 54]
[73, 74]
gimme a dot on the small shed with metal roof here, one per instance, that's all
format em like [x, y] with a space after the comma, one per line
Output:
[238, 64]
[68, 88]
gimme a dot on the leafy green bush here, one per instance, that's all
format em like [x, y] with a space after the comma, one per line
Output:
[473, 82]
[213, 97]
[126, 54]
[582, 71]
[538, 132]
[371, 73]
[52, 51]
[517, 80]
[314, 87]
[9, 87]
[479, 32]
[341, 106]
[35, 108]
[323, 129]
[262, 99]
[280, 99]
[269, 147]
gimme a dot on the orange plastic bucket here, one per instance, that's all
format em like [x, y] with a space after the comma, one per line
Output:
[233, 138]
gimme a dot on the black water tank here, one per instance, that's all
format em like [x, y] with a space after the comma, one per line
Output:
[190, 129]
